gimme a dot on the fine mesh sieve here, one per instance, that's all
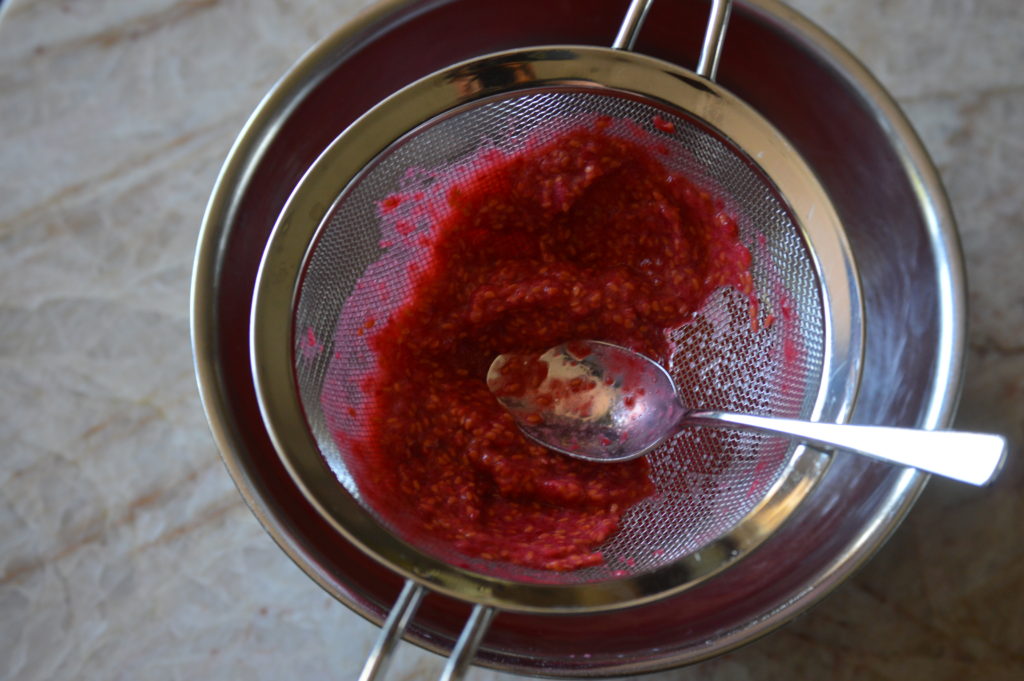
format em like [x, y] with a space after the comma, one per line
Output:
[336, 262]
[361, 269]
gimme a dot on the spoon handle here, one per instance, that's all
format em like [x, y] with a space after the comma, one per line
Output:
[968, 457]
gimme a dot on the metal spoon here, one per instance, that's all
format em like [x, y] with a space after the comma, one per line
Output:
[602, 402]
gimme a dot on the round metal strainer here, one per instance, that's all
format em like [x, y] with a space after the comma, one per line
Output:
[337, 266]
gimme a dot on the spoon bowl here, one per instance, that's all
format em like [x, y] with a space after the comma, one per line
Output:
[603, 402]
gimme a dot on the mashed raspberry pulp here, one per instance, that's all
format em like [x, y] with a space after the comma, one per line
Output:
[586, 235]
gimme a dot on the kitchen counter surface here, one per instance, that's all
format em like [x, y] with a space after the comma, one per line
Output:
[125, 550]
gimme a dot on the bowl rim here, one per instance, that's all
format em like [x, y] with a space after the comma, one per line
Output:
[283, 98]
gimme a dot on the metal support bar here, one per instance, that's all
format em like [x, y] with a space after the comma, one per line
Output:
[711, 51]
[468, 642]
[631, 24]
[391, 632]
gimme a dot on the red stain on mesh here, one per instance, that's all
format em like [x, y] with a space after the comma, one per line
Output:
[663, 124]
[310, 347]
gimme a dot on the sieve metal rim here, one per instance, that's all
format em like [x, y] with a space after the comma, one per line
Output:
[280, 271]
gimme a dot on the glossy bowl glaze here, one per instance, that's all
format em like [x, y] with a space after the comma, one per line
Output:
[845, 126]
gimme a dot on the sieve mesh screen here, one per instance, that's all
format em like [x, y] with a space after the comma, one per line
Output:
[362, 265]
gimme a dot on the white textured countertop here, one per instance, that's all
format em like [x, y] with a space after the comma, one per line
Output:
[125, 551]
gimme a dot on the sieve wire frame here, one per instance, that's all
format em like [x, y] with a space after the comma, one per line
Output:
[506, 74]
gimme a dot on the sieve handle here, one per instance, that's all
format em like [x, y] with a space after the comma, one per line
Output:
[469, 641]
[391, 631]
[397, 621]
[975, 458]
[631, 24]
[714, 35]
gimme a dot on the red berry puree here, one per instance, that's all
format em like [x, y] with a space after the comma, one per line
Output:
[586, 235]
